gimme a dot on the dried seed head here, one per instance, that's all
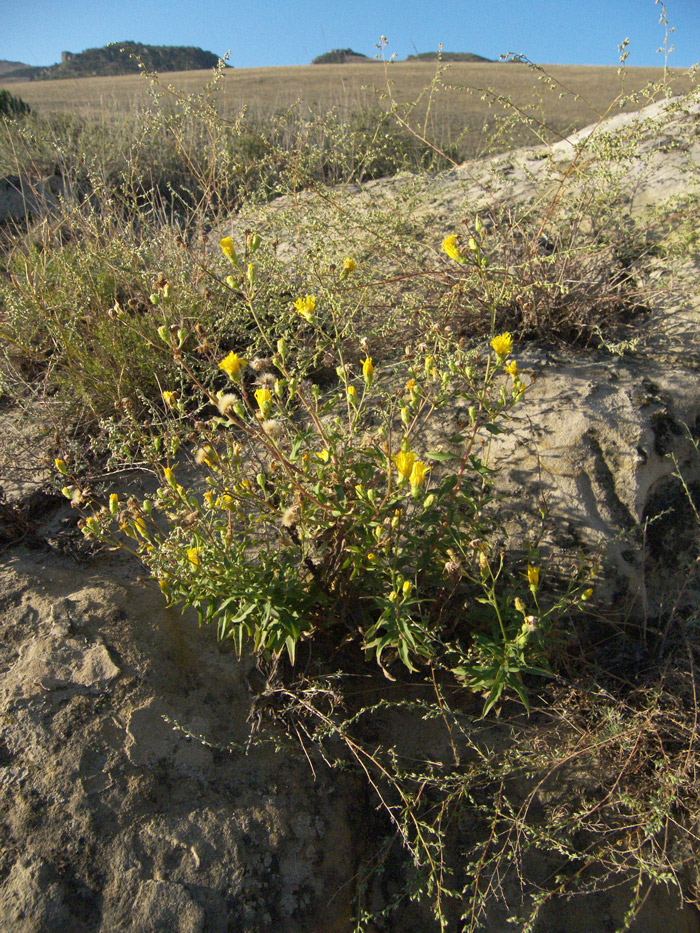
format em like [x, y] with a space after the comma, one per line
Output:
[226, 403]
[453, 569]
[272, 427]
[267, 380]
[259, 364]
[290, 516]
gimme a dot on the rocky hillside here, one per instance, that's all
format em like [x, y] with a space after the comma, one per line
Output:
[447, 57]
[7, 68]
[340, 57]
[118, 58]
[347, 56]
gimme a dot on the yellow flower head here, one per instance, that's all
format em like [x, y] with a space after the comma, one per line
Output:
[61, 466]
[306, 307]
[170, 398]
[323, 455]
[228, 248]
[417, 477]
[449, 244]
[140, 527]
[91, 526]
[352, 394]
[404, 461]
[533, 575]
[502, 344]
[511, 368]
[368, 370]
[193, 556]
[264, 399]
[349, 266]
[233, 365]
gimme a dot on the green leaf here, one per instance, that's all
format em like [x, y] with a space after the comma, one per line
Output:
[480, 467]
[493, 697]
[291, 647]
[493, 429]
[442, 456]
[402, 649]
[247, 610]
[515, 684]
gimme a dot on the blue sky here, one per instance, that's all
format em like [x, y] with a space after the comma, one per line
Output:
[292, 32]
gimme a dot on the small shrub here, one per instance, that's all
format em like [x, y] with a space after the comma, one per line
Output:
[11, 106]
[321, 508]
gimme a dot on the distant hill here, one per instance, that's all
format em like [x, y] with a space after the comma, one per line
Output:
[340, 57]
[447, 57]
[347, 56]
[118, 58]
[8, 67]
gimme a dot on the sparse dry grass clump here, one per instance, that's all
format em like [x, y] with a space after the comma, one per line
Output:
[298, 364]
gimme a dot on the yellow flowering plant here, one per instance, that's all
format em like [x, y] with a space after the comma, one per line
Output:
[323, 507]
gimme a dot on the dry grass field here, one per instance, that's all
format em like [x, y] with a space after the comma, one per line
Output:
[458, 108]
